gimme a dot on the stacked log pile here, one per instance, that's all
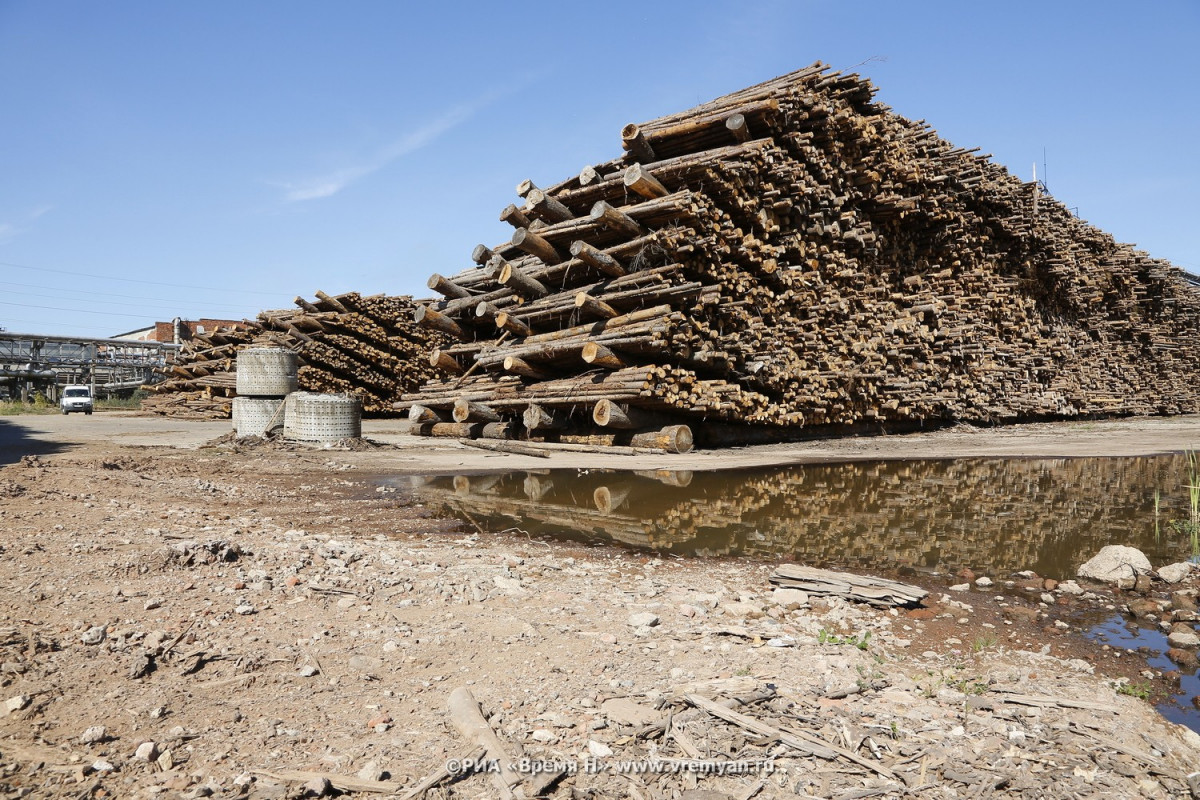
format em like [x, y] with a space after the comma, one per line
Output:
[796, 255]
[363, 345]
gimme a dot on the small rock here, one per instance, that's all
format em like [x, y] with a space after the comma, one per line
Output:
[152, 603]
[1143, 583]
[16, 703]
[1183, 638]
[542, 735]
[687, 610]
[1069, 587]
[1115, 563]
[372, 772]
[94, 735]
[704, 794]
[100, 765]
[93, 635]
[1184, 658]
[1174, 573]
[1183, 601]
[744, 609]
[1047, 598]
[165, 761]
[1143, 607]
[308, 670]
[317, 787]
[1049, 584]
[382, 719]
[643, 620]
[965, 574]
[984, 582]
[791, 599]
[599, 749]
[245, 609]
[146, 751]
[960, 587]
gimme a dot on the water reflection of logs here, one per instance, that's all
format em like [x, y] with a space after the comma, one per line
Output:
[993, 515]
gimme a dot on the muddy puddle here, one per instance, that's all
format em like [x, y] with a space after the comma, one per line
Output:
[992, 515]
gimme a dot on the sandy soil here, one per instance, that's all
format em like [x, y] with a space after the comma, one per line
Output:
[196, 622]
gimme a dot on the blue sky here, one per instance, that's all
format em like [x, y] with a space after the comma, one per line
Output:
[217, 158]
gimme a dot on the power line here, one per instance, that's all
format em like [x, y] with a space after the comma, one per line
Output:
[9, 320]
[147, 308]
[108, 294]
[74, 310]
[133, 280]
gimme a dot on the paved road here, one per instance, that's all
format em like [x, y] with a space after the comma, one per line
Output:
[50, 433]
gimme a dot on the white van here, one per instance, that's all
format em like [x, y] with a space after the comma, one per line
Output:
[76, 398]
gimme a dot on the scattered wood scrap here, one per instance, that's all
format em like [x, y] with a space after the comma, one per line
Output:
[861, 588]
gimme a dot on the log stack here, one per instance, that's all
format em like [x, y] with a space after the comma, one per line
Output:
[796, 256]
[368, 346]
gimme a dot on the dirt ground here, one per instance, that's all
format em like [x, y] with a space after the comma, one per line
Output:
[191, 621]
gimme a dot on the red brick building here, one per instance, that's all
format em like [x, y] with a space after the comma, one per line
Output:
[165, 331]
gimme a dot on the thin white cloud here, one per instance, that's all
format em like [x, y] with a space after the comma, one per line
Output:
[333, 182]
[11, 230]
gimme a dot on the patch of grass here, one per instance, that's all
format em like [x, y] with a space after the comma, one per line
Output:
[1140, 690]
[861, 642]
[743, 672]
[9, 408]
[983, 641]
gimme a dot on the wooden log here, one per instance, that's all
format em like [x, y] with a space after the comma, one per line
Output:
[448, 430]
[336, 304]
[419, 414]
[510, 447]
[525, 187]
[537, 418]
[608, 414]
[865, 589]
[519, 282]
[498, 430]
[589, 175]
[597, 258]
[596, 308]
[442, 360]
[508, 322]
[598, 355]
[426, 316]
[481, 254]
[535, 245]
[604, 214]
[673, 439]
[307, 306]
[468, 720]
[519, 366]
[446, 287]
[467, 410]
[547, 208]
[634, 142]
[515, 217]
[641, 181]
[738, 127]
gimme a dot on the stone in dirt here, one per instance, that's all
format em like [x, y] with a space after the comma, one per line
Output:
[643, 620]
[984, 582]
[93, 635]
[93, 735]
[1174, 573]
[146, 751]
[16, 703]
[1115, 563]
[1183, 638]
[1184, 658]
